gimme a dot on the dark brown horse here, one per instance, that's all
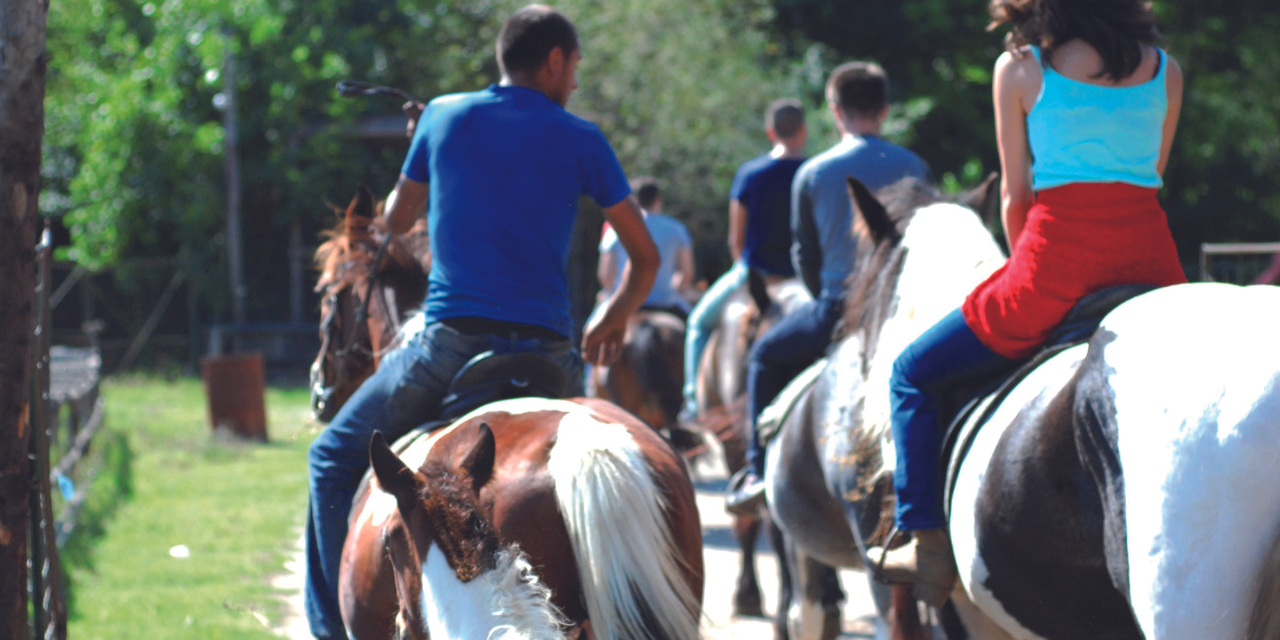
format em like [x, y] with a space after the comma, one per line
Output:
[350, 347]
[721, 393]
[648, 375]
[542, 517]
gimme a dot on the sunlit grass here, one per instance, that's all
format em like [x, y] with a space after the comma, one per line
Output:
[236, 506]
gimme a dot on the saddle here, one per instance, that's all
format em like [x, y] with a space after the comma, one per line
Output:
[490, 377]
[972, 406]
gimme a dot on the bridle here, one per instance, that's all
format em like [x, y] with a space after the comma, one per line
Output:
[353, 346]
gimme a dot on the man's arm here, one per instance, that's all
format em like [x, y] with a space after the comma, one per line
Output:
[806, 246]
[608, 271]
[737, 229]
[602, 339]
[683, 277]
[405, 204]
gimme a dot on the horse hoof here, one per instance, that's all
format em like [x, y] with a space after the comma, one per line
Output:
[748, 605]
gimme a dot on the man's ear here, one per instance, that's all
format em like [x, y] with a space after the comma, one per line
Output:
[556, 61]
[393, 475]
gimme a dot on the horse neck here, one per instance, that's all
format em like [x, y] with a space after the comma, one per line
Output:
[508, 597]
[947, 254]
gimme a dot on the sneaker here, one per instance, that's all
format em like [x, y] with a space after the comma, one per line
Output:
[746, 493]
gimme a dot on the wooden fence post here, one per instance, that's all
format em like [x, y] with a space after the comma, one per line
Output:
[22, 69]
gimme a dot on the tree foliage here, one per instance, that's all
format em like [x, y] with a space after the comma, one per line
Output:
[133, 153]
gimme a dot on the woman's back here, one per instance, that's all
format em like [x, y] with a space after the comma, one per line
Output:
[1087, 127]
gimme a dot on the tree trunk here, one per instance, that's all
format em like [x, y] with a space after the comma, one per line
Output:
[22, 66]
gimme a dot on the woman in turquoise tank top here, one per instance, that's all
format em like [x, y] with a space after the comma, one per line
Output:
[1086, 108]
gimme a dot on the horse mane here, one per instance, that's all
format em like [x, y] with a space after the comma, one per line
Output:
[349, 247]
[870, 288]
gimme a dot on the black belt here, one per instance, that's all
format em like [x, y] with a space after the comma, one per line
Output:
[476, 325]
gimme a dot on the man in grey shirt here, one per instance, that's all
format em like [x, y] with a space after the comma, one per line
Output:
[822, 247]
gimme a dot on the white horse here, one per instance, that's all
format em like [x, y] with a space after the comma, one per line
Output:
[1127, 488]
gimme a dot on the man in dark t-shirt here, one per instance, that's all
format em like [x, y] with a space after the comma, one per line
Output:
[759, 231]
[506, 166]
[824, 248]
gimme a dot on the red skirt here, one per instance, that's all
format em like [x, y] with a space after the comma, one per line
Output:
[1078, 239]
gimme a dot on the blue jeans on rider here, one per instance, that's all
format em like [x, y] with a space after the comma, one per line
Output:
[947, 354]
[702, 321]
[781, 354]
[403, 393]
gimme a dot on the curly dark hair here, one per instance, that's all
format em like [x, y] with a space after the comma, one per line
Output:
[1117, 29]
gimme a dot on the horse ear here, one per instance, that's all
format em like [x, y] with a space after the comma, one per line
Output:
[759, 292]
[985, 199]
[869, 214]
[362, 205]
[393, 475]
[478, 461]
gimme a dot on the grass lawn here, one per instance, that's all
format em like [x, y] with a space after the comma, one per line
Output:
[236, 506]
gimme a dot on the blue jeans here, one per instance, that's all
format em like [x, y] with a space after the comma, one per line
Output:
[947, 354]
[785, 350]
[403, 393]
[702, 321]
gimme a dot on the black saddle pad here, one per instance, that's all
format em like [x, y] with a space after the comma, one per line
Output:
[1077, 328]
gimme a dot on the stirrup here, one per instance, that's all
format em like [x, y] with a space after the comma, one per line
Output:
[877, 572]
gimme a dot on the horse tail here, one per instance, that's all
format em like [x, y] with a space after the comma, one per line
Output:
[1264, 622]
[652, 370]
[633, 580]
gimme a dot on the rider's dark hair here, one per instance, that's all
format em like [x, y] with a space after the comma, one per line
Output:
[785, 116]
[1117, 29]
[528, 37]
[646, 190]
[859, 88]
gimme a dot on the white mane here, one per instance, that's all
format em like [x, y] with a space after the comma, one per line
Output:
[949, 252]
[508, 602]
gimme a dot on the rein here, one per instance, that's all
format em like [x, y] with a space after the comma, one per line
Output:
[362, 314]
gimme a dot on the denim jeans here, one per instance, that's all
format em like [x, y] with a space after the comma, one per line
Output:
[785, 350]
[946, 354]
[403, 393]
[702, 321]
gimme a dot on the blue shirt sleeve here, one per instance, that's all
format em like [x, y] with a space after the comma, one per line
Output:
[739, 183]
[417, 165]
[603, 178]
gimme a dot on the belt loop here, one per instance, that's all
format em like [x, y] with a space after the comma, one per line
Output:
[514, 338]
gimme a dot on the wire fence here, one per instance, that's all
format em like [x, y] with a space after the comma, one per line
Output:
[66, 413]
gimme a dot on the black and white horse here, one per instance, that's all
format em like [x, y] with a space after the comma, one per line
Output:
[1127, 488]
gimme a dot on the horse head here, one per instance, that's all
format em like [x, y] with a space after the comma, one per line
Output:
[453, 576]
[362, 307]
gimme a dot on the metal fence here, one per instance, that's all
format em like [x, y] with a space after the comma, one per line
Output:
[63, 377]
[1238, 263]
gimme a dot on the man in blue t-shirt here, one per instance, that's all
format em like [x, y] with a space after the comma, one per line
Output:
[675, 251]
[506, 166]
[823, 247]
[759, 232]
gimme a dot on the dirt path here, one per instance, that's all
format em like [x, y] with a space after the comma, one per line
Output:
[721, 558]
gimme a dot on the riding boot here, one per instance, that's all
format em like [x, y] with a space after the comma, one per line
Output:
[746, 493]
[926, 562]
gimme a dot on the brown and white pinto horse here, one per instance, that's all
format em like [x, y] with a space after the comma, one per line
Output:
[541, 518]
[349, 348]
[1124, 489]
